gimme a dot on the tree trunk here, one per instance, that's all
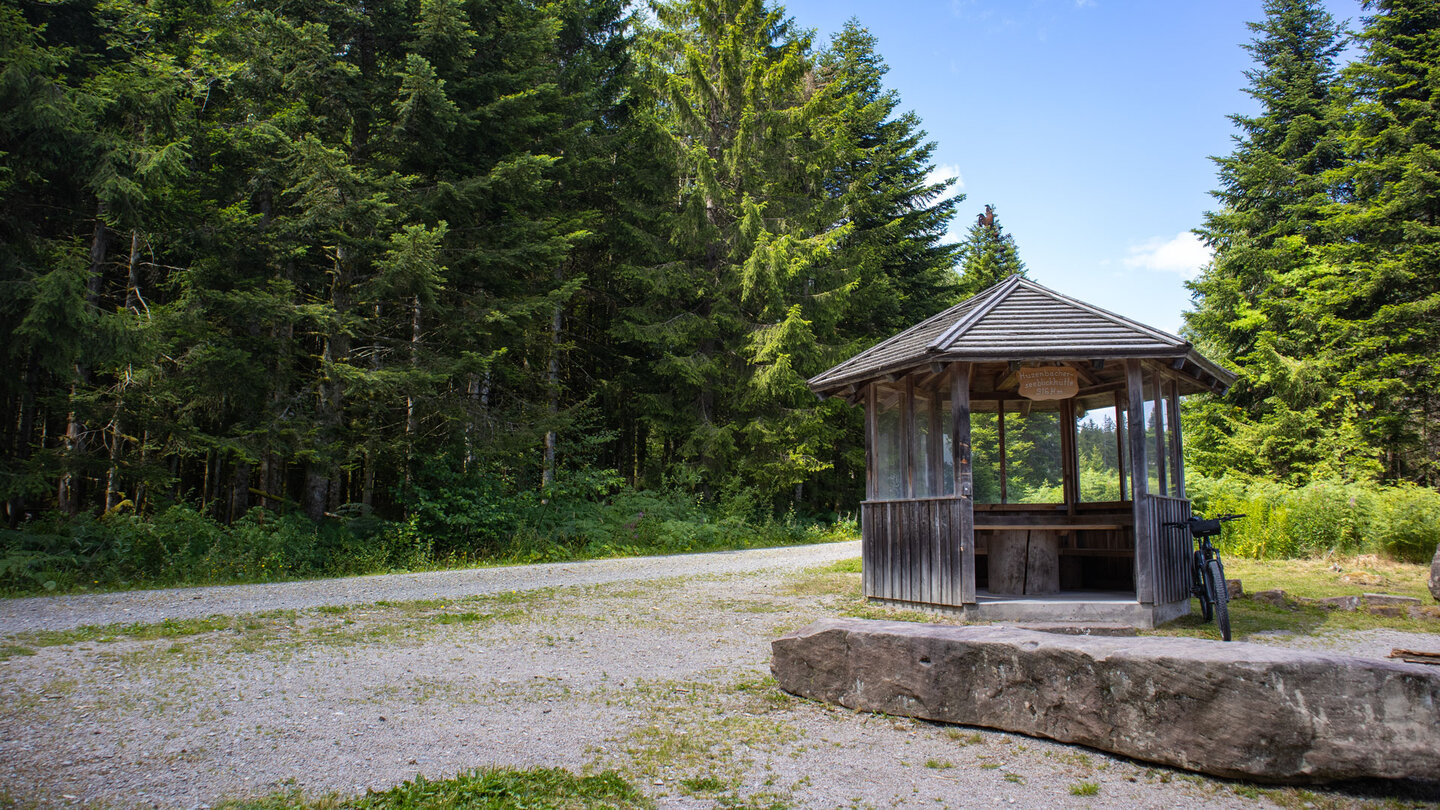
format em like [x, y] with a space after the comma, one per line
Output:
[67, 495]
[133, 299]
[320, 485]
[240, 491]
[412, 420]
[317, 490]
[26, 426]
[552, 382]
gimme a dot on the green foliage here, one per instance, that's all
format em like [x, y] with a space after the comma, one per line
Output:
[183, 546]
[1407, 523]
[489, 788]
[288, 256]
[456, 518]
[1325, 284]
[1322, 517]
[988, 255]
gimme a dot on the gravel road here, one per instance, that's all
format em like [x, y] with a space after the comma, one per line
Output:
[65, 612]
[655, 667]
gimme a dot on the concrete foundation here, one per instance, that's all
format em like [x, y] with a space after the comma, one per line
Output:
[1068, 607]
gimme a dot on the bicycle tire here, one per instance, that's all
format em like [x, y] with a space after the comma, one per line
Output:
[1220, 594]
[1203, 592]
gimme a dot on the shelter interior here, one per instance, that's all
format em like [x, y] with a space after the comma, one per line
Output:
[1053, 511]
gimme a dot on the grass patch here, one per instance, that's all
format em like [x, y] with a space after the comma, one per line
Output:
[493, 789]
[702, 737]
[704, 784]
[938, 764]
[1332, 576]
[169, 628]
[1085, 789]
[12, 650]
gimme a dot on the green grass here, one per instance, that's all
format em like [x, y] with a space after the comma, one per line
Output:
[1085, 789]
[490, 789]
[1332, 576]
[169, 628]
[13, 650]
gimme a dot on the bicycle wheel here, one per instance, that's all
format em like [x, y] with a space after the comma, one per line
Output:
[1220, 595]
[1202, 592]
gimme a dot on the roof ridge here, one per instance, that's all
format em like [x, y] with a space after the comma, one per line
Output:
[1107, 314]
[839, 369]
[997, 294]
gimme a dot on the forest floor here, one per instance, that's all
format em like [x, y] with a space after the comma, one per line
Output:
[656, 668]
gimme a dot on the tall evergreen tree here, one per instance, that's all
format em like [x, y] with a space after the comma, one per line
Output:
[988, 255]
[1383, 305]
[902, 269]
[753, 227]
[1255, 308]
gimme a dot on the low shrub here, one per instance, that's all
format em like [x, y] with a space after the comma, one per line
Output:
[455, 518]
[1323, 517]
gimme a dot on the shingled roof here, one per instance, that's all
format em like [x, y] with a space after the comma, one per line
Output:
[1018, 319]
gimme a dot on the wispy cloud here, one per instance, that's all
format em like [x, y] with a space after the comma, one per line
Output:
[943, 172]
[1182, 253]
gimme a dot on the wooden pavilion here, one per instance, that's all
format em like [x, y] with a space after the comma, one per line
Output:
[1022, 451]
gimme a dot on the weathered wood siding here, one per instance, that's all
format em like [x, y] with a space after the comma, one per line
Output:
[1173, 549]
[914, 550]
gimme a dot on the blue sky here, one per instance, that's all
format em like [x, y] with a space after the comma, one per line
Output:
[1088, 124]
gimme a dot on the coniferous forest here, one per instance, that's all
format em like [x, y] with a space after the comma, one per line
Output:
[330, 285]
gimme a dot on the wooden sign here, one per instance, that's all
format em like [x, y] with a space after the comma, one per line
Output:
[1048, 382]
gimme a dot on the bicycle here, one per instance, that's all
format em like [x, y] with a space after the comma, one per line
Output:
[1208, 572]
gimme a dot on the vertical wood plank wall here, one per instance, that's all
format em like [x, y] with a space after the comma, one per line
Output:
[1173, 549]
[915, 550]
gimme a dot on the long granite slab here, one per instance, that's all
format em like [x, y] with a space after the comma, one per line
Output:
[1229, 709]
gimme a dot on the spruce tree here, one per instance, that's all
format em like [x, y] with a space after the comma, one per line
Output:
[1383, 304]
[988, 255]
[1255, 303]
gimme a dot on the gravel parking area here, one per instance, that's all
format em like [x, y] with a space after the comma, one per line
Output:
[655, 667]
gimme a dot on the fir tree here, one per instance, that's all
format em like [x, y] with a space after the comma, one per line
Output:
[1255, 303]
[988, 255]
[1382, 305]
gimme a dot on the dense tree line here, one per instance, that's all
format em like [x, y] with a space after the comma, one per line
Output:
[332, 257]
[1324, 292]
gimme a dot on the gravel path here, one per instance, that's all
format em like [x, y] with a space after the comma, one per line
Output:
[65, 612]
[655, 667]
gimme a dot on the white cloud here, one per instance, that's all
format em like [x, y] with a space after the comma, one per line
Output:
[1182, 253]
[943, 172]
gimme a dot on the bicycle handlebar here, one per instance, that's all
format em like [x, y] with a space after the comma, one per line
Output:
[1194, 519]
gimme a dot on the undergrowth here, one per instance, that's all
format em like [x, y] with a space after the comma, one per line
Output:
[454, 528]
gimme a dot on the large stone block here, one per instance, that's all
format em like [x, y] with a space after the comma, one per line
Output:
[1229, 709]
[1435, 574]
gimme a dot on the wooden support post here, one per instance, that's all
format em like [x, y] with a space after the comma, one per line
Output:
[1177, 448]
[964, 480]
[1069, 464]
[872, 441]
[1162, 451]
[1000, 423]
[935, 447]
[907, 439]
[1120, 442]
[1144, 535]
